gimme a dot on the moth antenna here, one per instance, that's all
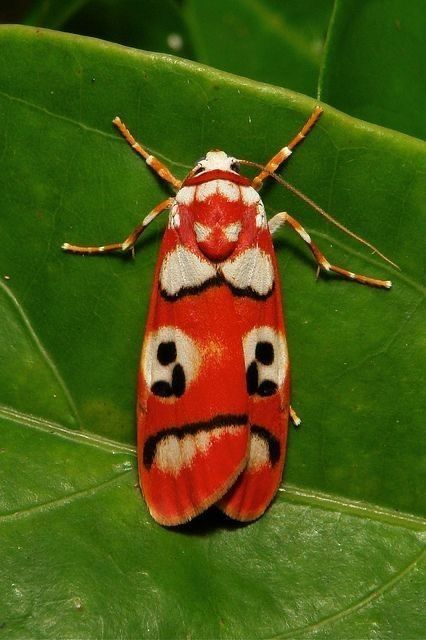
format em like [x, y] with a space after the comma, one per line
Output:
[321, 211]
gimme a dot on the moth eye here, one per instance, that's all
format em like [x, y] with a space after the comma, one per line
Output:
[235, 166]
[170, 362]
[265, 356]
[198, 167]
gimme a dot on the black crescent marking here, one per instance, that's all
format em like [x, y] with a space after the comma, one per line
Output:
[227, 420]
[190, 291]
[272, 442]
[217, 281]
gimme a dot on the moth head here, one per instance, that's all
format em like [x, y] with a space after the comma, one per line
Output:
[216, 160]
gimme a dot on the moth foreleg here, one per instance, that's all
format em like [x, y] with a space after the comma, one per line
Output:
[286, 151]
[153, 162]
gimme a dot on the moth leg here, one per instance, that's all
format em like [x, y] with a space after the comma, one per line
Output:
[150, 160]
[294, 417]
[281, 218]
[131, 239]
[286, 151]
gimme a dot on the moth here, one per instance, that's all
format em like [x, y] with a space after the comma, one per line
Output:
[213, 400]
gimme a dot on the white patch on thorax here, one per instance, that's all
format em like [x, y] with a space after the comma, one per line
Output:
[201, 231]
[185, 195]
[174, 217]
[261, 215]
[249, 195]
[228, 190]
[232, 231]
[225, 188]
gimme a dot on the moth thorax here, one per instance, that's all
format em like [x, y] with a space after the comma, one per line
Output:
[217, 241]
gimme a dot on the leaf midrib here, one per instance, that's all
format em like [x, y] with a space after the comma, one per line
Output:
[314, 499]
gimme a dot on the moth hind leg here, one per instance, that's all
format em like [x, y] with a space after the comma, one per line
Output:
[281, 218]
[294, 417]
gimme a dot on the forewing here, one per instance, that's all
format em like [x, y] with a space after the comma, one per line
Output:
[268, 388]
[193, 433]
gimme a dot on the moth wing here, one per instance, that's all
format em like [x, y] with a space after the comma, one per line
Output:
[193, 436]
[268, 386]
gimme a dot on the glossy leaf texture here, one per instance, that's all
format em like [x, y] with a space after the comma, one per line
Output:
[339, 553]
[374, 63]
[276, 42]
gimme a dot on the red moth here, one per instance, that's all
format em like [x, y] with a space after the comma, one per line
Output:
[214, 383]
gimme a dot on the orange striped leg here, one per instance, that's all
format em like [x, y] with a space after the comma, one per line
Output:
[294, 417]
[286, 151]
[281, 218]
[131, 239]
[150, 160]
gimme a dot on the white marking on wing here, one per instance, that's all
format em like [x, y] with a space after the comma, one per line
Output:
[187, 355]
[173, 454]
[182, 269]
[251, 268]
[277, 369]
[259, 453]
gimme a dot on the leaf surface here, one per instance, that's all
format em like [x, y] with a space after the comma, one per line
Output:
[374, 64]
[135, 23]
[339, 553]
[276, 42]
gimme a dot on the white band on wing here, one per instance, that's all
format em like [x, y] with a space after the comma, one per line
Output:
[251, 270]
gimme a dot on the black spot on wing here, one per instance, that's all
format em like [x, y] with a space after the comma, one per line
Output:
[267, 388]
[265, 352]
[162, 389]
[166, 352]
[178, 380]
[252, 378]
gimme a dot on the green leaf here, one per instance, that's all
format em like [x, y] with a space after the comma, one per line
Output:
[374, 63]
[339, 553]
[277, 42]
[135, 23]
